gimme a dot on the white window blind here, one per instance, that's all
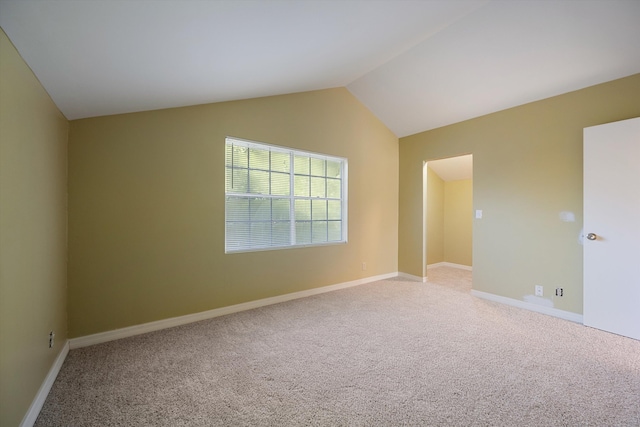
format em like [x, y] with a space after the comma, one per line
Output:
[277, 197]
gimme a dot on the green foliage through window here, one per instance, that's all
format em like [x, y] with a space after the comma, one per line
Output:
[277, 197]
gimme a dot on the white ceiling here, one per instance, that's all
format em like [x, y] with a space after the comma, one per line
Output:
[416, 64]
[453, 168]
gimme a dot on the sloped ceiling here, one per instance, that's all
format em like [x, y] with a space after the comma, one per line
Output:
[417, 65]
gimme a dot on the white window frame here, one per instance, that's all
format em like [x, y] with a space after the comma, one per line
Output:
[291, 197]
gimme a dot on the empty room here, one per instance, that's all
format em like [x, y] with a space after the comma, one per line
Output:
[250, 213]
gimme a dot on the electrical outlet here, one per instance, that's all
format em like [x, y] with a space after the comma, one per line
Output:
[51, 337]
[539, 290]
[364, 266]
[559, 292]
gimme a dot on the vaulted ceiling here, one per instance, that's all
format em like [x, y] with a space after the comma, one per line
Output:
[416, 64]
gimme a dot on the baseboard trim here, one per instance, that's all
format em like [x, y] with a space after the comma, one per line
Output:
[566, 315]
[34, 410]
[450, 264]
[144, 328]
[412, 277]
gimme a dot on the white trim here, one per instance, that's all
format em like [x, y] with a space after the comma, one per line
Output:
[435, 265]
[130, 331]
[34, 410]
[450, 264]
[412, 277]
[566, 315]
[425, 186]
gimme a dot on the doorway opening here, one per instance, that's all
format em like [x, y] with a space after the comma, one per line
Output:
[448, 217]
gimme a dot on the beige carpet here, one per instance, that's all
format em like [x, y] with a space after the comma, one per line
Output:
[390, 353]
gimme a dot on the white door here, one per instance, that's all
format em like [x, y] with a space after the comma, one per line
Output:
[612, 227]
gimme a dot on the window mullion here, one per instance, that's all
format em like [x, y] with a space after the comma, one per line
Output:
[269, 177]
[326, 201]
[292, 208]
[232, 163]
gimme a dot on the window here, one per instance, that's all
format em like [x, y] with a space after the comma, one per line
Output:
[276, 197]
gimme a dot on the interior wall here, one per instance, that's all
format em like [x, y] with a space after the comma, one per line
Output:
[458, 222]
[435, 217]
[146, 207]
[33, 228]
[527, 165]
[449, 225]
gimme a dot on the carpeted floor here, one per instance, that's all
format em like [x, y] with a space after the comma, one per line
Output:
[390, 353]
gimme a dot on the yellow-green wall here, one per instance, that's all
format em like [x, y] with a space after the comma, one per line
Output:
[458, 222]
[435, 218]
[449, 225]
[33, 233]
[146, 207]
[527, 165]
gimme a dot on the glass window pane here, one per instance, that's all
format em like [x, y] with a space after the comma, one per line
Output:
[303, 232]
[228, 179]
[258, 158]
[280, 162]
[303, 209]
[240, 181]
[260, 234]
[240, 156]
[280, 184]
[334, 209]
[228, 154]
[264, 220]
[260, 209]
[335, 231]
[334, 187]
[318, 188]
[237, 209]
[333, 169]
[317, 167]
[237, 235]
[301, 186]
[258, 182]
[319, 231]
[280, 209]
[301, 165]
[318, 210]
[281, 234]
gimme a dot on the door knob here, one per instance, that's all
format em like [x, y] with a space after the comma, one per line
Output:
[592, 236]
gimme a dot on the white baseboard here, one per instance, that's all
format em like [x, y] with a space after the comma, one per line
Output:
[34, 410]
[567, 315]
[412, 277]
[450, 264]
[144, 328]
